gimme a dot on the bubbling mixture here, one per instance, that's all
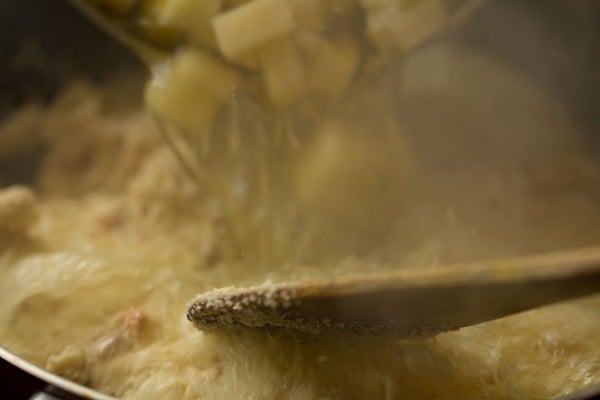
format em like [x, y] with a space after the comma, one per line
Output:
[100, 257]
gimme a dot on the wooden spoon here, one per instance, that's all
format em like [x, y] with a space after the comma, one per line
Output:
[406, 302]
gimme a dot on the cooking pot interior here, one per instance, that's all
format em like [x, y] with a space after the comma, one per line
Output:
[555, 43]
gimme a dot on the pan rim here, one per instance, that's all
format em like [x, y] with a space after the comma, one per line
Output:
[50, 378]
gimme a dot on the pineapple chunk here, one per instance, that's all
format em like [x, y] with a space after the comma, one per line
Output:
[408, 27]
[380, 23]
[188, 88]
[331, 65]
[283, 72]
[350, 160]
[251, 25]
[190, 16]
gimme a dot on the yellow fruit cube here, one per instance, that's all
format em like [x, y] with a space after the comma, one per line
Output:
[283, 72]
[406, 27]
[348, 169]
[252, 25]
[191, 16]
[188, 88]
[331, 65]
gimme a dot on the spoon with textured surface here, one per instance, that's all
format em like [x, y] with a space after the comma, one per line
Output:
[407, 302]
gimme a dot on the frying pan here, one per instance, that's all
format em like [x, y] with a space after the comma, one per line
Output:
[45, 44]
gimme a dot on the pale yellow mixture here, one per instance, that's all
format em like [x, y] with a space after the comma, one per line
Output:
[99, 259]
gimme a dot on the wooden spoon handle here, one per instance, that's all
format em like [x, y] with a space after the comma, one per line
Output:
[406, 302]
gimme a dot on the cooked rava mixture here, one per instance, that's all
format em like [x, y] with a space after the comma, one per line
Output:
[101, 255]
